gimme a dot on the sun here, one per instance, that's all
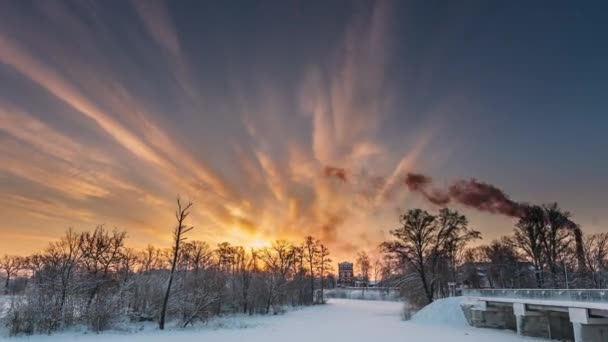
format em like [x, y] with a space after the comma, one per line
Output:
[257, 243]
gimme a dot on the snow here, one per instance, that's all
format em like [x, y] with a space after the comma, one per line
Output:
[444, 311]
[339, 320]
[5, 303]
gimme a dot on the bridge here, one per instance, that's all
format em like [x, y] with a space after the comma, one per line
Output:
[373, 293]
[564, 314]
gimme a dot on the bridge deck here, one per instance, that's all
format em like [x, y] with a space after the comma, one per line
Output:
[545, 302]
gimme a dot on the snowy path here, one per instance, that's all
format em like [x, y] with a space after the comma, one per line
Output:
[340, 320]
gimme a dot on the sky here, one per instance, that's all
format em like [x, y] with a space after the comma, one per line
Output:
[282, 119]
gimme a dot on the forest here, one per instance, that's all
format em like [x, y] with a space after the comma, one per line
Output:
[92, 278]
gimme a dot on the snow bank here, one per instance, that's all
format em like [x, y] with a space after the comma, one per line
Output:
[445, 311]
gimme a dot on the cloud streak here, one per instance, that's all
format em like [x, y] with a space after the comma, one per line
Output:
[279, 176]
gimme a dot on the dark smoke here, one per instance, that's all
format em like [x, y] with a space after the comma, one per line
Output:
[471, 193]
[337, 172]
[420, 183]
[485, 197]
[417, 182]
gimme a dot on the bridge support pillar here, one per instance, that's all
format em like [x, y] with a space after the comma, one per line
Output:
[531, 323]
[483, 316]
[587, 328]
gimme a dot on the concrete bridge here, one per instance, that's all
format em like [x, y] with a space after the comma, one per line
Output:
[574, 315]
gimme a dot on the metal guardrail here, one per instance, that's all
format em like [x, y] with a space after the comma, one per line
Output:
[570, 295]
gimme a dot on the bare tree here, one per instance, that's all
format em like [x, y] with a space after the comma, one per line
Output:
[414, 243]
[311, 251]
[546, 234]
[529, 234]
[424, 241]
[178, 237]
[151, 258]
[101, 257]
[363, 265]
[504, 265]
[299, 270]
[278, 260]
[195, 256]
[65, 255]
[10, 265]
[596, 256]
[469, 273]
[377, 270]
[323, 266]
[557, 240]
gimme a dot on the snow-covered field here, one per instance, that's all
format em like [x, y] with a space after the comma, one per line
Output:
[339, 320]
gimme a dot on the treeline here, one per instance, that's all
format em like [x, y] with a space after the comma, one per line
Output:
[93, 279]
[431, 254]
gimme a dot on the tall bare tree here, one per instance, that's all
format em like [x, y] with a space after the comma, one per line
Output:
[311, 251]
[363, 265]
[423, 241]
[529, 236]
[278, 261]
[546, 234]
[179, 231]
[65, 255]
[557, 240]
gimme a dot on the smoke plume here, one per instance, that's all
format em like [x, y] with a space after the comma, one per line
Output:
[470, 193]
[337, 172]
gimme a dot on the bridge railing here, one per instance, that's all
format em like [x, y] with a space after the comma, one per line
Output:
[570, 295]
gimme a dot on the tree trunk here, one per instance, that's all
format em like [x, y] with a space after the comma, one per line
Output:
[6, 284]
[427, 292]
[322, 285]
[163, 311]
[181, 214]
[312, 283]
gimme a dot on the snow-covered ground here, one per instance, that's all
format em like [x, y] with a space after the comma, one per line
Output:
[339, 320]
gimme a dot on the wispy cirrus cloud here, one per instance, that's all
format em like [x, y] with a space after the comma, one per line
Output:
[267, 182]
[348, 98]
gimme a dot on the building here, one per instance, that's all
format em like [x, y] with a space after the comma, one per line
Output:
[345, 274]
[361, 282]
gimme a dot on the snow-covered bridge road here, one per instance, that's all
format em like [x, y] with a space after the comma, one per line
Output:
[339, 320]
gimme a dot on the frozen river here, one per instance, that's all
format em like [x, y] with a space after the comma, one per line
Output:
[339, 320]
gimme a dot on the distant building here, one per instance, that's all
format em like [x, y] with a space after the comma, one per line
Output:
[361, 282]
[345, 274]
